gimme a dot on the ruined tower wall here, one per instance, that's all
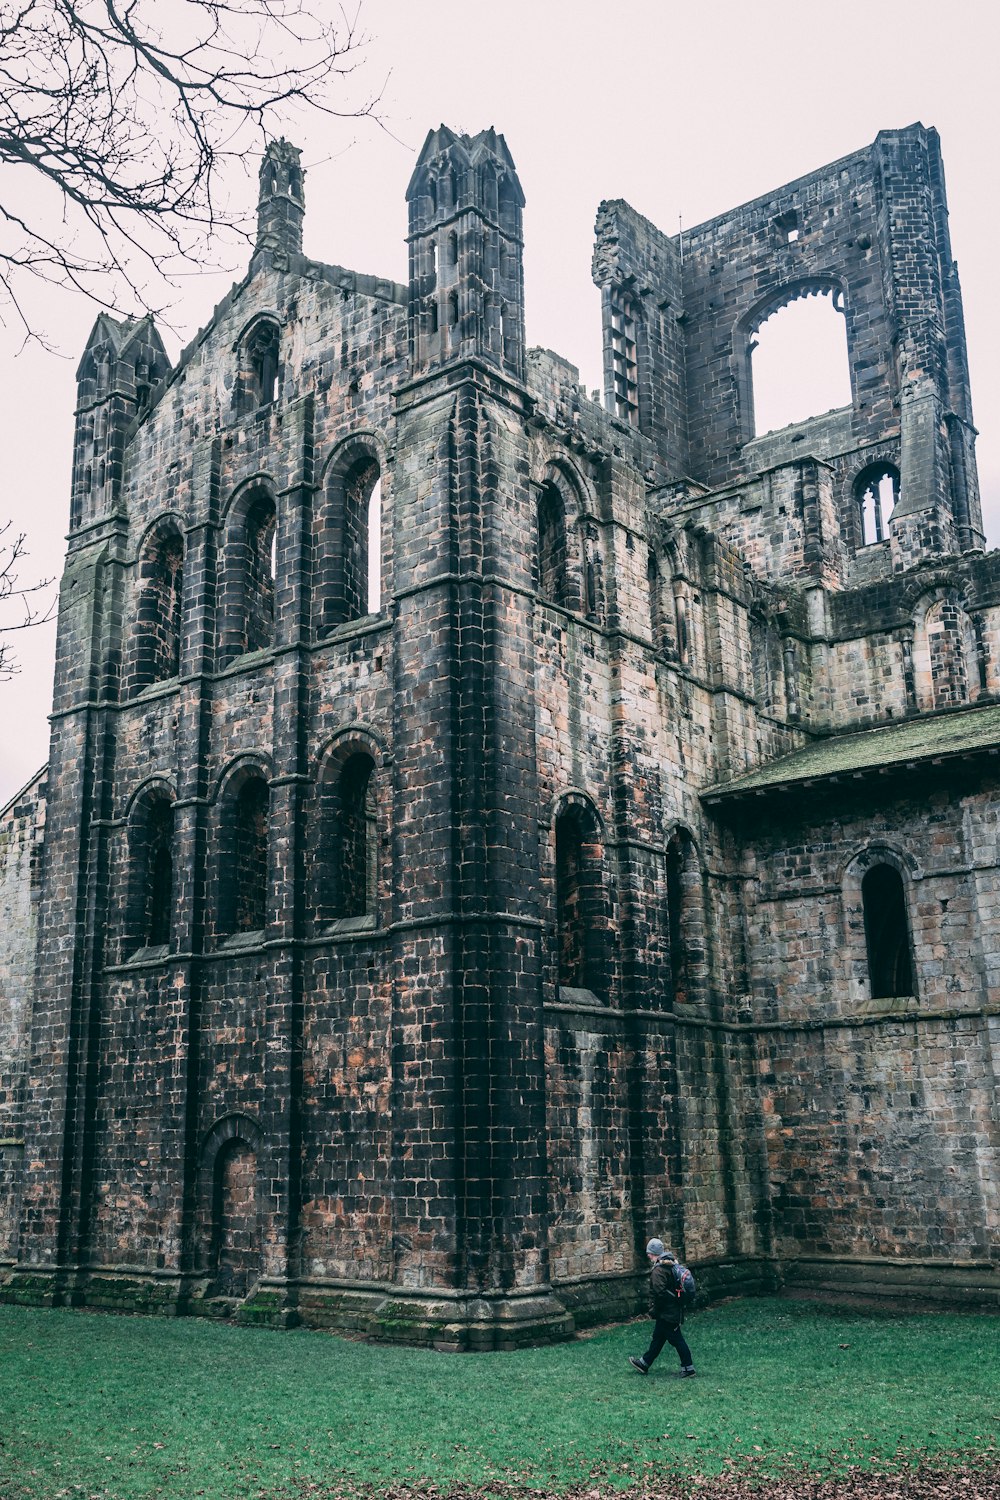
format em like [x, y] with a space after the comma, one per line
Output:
[22, 833]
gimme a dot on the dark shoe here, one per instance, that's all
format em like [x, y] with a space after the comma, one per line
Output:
[687, 1371]
[637, 1364]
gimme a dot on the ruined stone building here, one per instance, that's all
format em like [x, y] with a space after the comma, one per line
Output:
[484, 826]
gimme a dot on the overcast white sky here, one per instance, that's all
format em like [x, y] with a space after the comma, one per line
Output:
[681, 109]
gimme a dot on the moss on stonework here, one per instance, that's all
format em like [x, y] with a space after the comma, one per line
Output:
[970, 731]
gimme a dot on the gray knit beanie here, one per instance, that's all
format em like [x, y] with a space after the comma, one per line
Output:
[655, 1247]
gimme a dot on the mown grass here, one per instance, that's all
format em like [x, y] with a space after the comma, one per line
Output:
[136, 1408]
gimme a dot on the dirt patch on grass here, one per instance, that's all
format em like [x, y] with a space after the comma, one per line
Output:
[924, 1482]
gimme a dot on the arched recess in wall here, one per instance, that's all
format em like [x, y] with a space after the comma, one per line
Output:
[879, 946]
[876, 495]
[153, 649]
[947, 664]
[228, 1220]
[582, 904]
[149, 885]
[258, 365]
[241, 845]
[345, 843]
[686, 934]
[568, 566]
[247, 577]
[792, 356]
[348, 532]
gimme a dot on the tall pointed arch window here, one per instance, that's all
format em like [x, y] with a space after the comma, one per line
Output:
[153, 651]
[347, 543]
[247, 615]
[887, 933]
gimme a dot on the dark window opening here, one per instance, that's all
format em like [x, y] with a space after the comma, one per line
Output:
[653, 586]
[356, 841]
[580, 907]
[552, 546]
[261, 545]
[877, 495]
[154, 647]
[625, 363]
[250, 873]
[685, 923]
[453, 249]
[259, 376]
[159, 873]
[786, 227]
[348, 547]
[452, 309]
[887, 933]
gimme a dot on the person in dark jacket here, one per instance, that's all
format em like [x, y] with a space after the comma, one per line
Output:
[667, 1310]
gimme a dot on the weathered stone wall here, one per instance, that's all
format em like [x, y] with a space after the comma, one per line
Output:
[397, 1111]
[22, 832]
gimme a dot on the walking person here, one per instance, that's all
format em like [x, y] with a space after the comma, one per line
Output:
[670, 1286]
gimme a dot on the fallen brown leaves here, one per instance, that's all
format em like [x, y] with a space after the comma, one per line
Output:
[924, 1482]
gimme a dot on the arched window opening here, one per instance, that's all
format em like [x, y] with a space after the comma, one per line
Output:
[347, 545]
[551, 546]
[154, 647]
[159, 873]
[375, 548]
[654, 585]
[356, 841]
[799, 362]
[951, 652]
[452, 309]
[876, 495]
[453, 249]
[249, 872]
[235, 1248]
[685, 918]
[887, 933]
[258, 383]
[150, 883]
[261, 558]
[580, 906]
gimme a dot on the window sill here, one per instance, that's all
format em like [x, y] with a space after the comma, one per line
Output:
[151, 953]
[366, 923]
[581, 998]
[237, 940]
[888, 1005]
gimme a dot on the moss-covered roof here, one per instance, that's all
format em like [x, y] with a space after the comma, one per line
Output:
[934, 737]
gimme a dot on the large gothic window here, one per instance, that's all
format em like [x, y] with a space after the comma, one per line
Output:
[347, 545]
[799, 360]
[887, 933]
[153, 651]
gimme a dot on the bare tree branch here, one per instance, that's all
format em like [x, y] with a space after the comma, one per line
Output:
[117, 118]
[18, 607]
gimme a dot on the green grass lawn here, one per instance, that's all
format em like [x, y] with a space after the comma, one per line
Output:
[133, 1408]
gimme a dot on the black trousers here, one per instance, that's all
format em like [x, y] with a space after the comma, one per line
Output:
[667, 1333]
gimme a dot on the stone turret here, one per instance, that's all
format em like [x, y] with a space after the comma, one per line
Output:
[281, 206]
[466, 253]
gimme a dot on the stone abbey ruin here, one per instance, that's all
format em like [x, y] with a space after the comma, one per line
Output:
[485, 827]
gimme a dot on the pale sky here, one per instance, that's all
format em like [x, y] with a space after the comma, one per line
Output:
[684, 110]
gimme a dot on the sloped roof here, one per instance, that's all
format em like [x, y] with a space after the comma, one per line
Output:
[930, 738]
